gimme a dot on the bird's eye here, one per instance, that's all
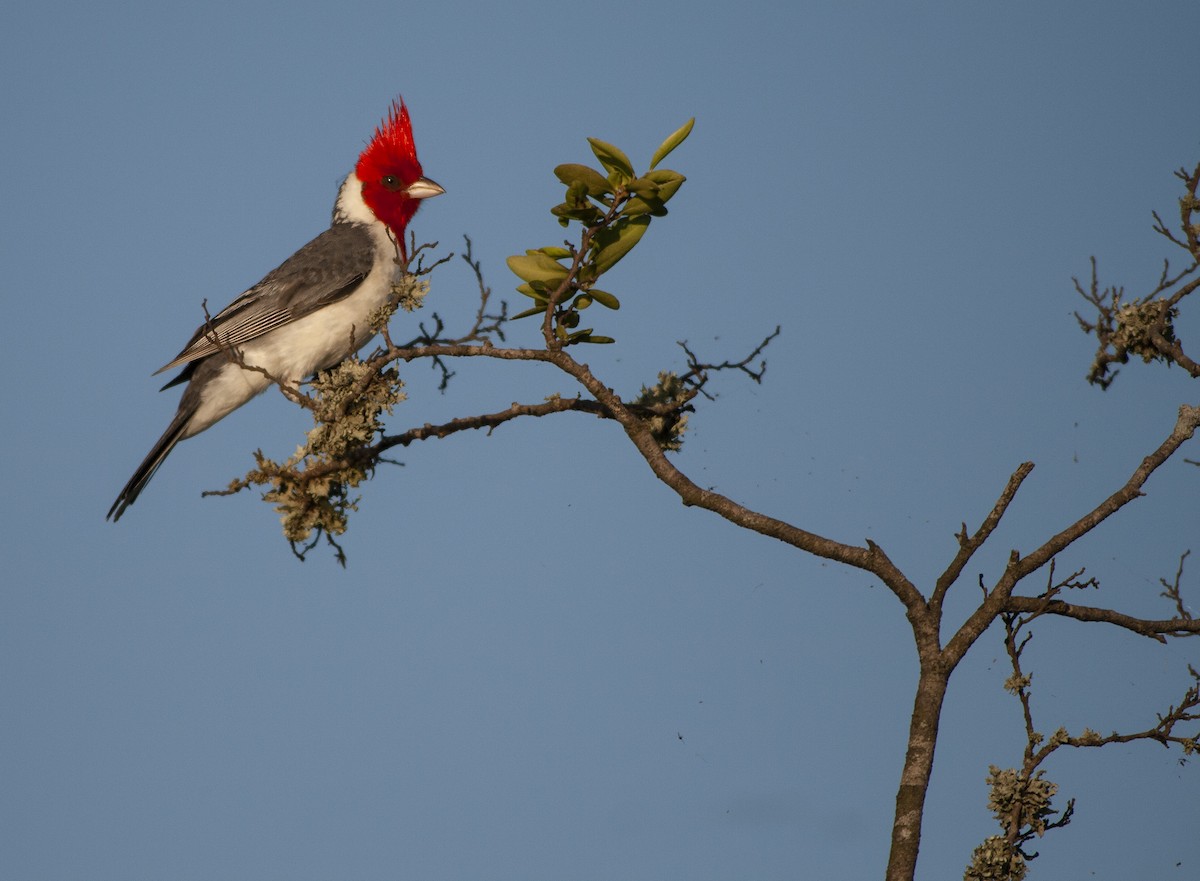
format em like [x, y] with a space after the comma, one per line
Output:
[391, 182]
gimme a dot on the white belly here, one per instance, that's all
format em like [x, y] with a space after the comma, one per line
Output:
[294, 352]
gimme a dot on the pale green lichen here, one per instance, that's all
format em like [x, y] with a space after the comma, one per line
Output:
[996, 860]
[408, 293]
[667, 396]
[1136, 323]
[1025, 798]
[1022, 805]
[311, 490]
[1013, 684]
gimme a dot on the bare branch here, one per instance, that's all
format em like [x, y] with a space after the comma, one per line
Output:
[487, 421]
[967, 546]
[1001, 598]
[1155, 629]
[1144, 326]
[697, 372]
[1185, 427]
[1174, 593]
[871, 558]
[1188, 206]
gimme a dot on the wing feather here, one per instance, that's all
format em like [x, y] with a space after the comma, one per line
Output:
[327, 269]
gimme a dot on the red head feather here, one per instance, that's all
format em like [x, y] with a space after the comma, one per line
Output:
[387, 168]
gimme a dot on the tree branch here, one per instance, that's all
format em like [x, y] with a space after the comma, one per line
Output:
[870, 558]
[1001, 596]
[1157, 629]
[967, 546]
[1174, 591]
[1185, 427]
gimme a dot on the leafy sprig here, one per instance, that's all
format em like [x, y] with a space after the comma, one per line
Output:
[615, 209]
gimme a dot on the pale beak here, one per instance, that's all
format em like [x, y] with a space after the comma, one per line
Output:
[424, 188]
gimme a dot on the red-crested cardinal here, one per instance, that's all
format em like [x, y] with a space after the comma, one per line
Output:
[312, 311]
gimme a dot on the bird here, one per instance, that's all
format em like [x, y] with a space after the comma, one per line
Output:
[311, 312]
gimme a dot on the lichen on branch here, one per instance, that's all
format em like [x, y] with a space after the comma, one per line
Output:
[667, 398]
[311, 490]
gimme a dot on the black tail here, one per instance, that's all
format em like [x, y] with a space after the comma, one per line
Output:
[156, 456]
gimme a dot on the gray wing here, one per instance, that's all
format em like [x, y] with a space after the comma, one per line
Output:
[326, 270]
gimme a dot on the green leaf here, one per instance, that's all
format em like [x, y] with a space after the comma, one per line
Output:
[604, 298]
[537, 267]
[586, 213]
[612, 158]
[582, 302]
[536, 310]
[592, 181]
[614, 242]
[595, 339]
[674, 140]
[576, 194]
[637, 206]
[644, 187]
[538, 290]
[668, 182]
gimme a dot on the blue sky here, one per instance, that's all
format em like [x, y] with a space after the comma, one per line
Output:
[538, 664]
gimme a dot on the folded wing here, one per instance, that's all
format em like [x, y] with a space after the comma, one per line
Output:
[326, 270]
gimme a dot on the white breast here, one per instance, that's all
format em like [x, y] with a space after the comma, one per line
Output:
[296, 351]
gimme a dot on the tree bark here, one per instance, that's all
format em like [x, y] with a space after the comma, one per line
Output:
[918, 765]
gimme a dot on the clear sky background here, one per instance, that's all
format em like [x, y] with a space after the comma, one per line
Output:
[538, 664]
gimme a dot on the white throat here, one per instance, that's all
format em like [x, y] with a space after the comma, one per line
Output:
[350, 207]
